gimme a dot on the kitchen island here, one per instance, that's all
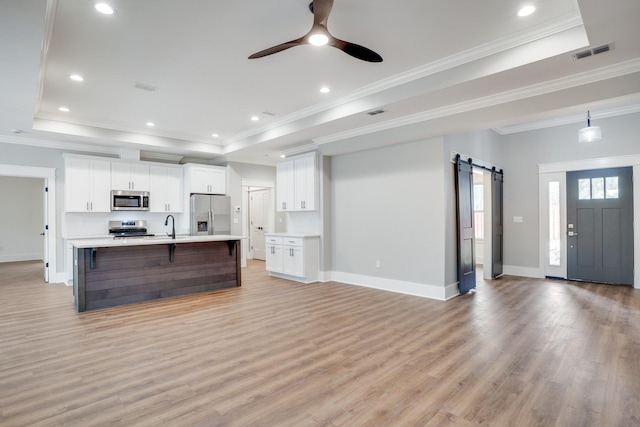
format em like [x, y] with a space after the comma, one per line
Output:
[110, 272]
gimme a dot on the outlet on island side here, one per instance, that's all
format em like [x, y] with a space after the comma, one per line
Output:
[377, 263]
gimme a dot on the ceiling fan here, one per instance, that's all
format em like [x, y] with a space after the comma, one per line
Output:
[319, 35]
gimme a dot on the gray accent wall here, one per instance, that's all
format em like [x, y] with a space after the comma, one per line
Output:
[387, 205]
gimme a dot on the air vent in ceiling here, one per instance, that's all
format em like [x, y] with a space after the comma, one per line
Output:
[144, 86]
[601, 49]
[375, 112]
[594, 51]
[268, 113]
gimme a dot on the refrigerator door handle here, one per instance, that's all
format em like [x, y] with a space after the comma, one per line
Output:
[211, 218]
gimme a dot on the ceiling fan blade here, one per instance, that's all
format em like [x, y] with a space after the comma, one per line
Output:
[321, 11]
[278, 48]
[356, 51]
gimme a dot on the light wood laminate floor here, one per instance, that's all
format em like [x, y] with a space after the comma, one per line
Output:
[517, 352]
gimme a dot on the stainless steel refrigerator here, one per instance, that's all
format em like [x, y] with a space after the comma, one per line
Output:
[210, 214]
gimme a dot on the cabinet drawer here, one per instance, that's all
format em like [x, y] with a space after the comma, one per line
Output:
[292, 241]
[273, 240]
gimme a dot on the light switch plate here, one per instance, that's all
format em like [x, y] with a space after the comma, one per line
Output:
[517, 219]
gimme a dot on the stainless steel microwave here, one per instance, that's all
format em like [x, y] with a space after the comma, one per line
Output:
[129, 200]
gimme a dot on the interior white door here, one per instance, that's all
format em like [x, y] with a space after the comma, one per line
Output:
[258, 203]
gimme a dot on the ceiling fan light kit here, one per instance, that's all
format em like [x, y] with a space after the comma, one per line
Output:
[319, 36]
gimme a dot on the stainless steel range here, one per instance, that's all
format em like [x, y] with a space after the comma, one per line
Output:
[123, 229]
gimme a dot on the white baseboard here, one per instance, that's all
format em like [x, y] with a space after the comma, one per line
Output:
[514, 270]
[410, 288]
[21, 257]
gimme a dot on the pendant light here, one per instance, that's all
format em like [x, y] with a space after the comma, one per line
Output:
[590, 133]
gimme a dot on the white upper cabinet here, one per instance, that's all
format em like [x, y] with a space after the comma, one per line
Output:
[306, 183]
[297, 184]
[285, 186]
[129, 176]
[166, 189]
[87, 185]
[206, 179]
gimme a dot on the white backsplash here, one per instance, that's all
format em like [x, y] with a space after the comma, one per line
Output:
[97, 224]
[303, 222]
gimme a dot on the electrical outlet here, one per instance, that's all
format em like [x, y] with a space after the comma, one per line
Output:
[377, 263]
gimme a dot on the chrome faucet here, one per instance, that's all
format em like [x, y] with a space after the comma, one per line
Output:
[173, 226]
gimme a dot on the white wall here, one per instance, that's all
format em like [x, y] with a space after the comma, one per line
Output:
[21, 219]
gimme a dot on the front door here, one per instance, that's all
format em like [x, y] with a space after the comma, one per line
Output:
[600, 226]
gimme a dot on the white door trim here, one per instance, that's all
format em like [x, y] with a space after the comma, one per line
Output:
[246, 231]
[599, 163]
[49, 175]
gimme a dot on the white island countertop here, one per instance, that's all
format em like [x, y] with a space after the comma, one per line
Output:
[303, 235]
[155, 240]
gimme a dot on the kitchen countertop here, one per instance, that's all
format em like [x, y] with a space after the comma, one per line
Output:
[291, 235]
[155, 240]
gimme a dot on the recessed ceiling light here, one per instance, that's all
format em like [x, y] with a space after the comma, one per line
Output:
[104, 8]
[255, 118]
[318, 39]
[215, 135]
[64, 109]
[76, 77]
[151, 124]
[526, 11]
[325, 89]
[283, 156]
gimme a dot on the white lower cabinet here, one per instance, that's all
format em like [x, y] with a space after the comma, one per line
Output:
[293, 257]
[274, 261]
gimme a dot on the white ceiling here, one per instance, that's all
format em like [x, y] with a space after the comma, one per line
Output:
[449, 66]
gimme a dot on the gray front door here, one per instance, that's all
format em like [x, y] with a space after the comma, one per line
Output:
[600, 226]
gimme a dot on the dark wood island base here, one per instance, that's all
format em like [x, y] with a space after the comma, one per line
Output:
[115, 275]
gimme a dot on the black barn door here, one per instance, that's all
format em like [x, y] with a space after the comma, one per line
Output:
[496, 228]
[466, 236]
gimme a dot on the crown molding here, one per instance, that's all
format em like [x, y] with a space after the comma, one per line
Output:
[301, 149]
[576, 118]
[550, 28]
[604, 73]
[61, 145]
[97, 127]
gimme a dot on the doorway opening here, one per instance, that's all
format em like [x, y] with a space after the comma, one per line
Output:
[479, 217]
[45, 178]
[258, 219]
